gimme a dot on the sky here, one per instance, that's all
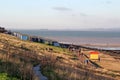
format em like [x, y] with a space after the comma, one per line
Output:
[60, 14]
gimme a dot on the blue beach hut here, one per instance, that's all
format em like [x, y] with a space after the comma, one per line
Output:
[24, 37]
[55, 43]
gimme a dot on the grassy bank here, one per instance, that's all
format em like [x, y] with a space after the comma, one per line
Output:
[17, 58]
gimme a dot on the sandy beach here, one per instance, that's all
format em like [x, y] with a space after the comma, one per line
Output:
[90, 41]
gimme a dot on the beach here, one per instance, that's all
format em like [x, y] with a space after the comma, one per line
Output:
[115, 42]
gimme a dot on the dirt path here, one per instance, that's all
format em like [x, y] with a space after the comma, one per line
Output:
[38, 73]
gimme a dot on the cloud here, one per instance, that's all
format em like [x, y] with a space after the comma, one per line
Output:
[61, 8]
[108, 2]
[83, 14]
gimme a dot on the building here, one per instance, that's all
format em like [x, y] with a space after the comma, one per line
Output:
[2, 30]
[24, 37]
[94, 55]
[55, 43]
[34, 38]
[17, 34]
[40, 40]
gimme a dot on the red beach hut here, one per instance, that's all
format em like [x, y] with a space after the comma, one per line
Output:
[94, 55]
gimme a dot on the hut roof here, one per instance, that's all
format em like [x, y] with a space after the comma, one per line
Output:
[46, 39]
[94, 52]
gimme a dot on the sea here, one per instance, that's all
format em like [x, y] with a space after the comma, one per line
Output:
[99, 39]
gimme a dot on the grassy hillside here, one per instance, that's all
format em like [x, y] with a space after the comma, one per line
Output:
[17, 58]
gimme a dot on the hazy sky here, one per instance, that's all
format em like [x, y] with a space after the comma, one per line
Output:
[59, 14]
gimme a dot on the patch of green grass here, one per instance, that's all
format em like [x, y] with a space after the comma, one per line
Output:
[55, 49]
[4, 76]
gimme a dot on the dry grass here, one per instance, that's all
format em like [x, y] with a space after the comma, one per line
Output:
[58, 64]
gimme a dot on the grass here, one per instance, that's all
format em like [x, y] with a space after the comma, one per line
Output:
[58, 64]
[22, 53]
[16, 69]
[4, 76]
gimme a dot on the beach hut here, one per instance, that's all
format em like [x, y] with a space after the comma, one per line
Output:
[9, 32]
[62, 45]
[55, 43]
[18, 35]
[50, 42]
[24, 37]
[2, 30]
[41, 40]
[94, 55]
[45, 41]
[14, 34]
[34, 39]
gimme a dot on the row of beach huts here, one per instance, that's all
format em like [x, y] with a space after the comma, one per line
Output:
[36, 39]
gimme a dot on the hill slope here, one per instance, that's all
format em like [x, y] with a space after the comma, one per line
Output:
[19, 57]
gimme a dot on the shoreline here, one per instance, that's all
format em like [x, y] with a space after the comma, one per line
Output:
[78, 38]
[89, 41]
[95, 44]
[96, 47]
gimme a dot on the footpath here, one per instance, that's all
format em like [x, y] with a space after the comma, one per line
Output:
[38, 73]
